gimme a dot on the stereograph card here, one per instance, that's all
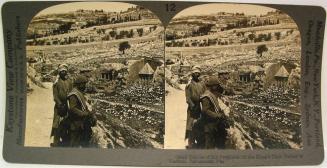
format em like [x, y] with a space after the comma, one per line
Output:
[156, 83]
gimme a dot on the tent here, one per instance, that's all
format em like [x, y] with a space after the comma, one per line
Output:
[146, 72]
[282, 72]
[281, 76]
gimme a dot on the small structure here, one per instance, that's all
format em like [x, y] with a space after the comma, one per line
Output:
[111, 71]
[244, 74]
[78, 25]
[146, 72]
[281, 77]
[218, 28]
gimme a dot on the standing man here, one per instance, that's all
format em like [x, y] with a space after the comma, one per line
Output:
[61, 87]
[80, 115]
[215, 121]
[192, 92]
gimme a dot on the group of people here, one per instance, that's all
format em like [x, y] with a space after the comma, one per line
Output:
[207, 113]
[73, 116]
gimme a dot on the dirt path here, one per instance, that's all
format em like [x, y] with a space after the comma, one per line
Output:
[39, 116]
[175, 119]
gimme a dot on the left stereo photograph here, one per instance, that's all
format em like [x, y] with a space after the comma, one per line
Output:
[95, 77]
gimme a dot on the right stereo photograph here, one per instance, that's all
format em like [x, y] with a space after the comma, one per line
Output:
[233, 74]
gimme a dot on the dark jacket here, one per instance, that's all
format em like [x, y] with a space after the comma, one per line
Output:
[78, 109]
[211, 113]
[60, 89]
[193, 92]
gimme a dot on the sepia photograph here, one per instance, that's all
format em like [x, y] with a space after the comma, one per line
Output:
[158, 83]
[95, 77]
[233, 74]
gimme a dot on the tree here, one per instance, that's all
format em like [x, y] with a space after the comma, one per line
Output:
[268, 37]
[168, 44]
[251, 36]
[170, 36]
[123, 46]
[140, 32]
[64, 28]
[123, 33]
[112, 33]
[277, 34]
[131, 34]
[204, 30]
[261, 48]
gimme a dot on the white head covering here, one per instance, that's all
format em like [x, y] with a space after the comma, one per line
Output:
[196, 69]
[62, 67]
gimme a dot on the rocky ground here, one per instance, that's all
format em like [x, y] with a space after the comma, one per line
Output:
[124, 125]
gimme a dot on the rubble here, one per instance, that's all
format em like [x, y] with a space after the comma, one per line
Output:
[113, 133]
[261, 136]
[131, 117]
[33, 79]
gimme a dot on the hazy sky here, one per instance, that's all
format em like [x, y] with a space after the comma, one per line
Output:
[106, 6]
[232, 8]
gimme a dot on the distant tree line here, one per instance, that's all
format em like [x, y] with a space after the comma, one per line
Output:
[114, 34]
[65, 27]
[206, 28]
[243, 39]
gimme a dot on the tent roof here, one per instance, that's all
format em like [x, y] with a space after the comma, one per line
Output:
[146, 70]
[282, 72]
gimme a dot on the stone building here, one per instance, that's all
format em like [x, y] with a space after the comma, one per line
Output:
[281, 77]
[146, 72]
[111, 71]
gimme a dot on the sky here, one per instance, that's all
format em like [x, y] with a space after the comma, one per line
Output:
[67, 7]
[230, 8]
